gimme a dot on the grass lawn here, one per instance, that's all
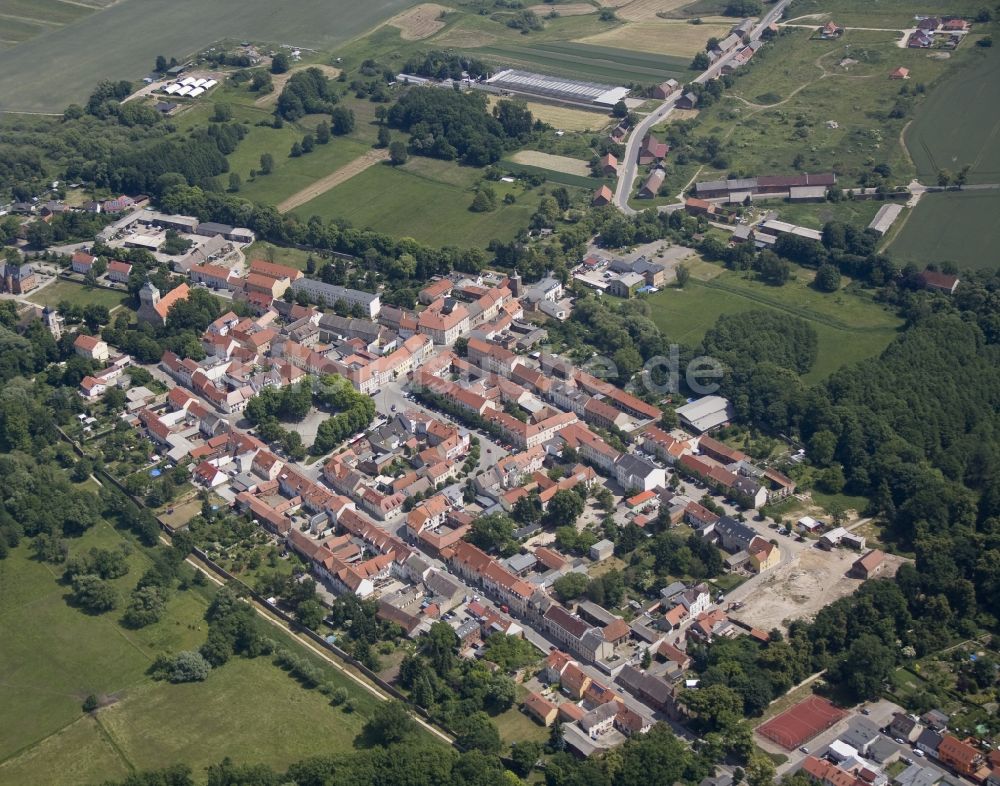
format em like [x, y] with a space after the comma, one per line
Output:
[52, 656]
[960, 227]
[814, 215]
[959, 123]
[427, 200]
[833, 502]
[292, 257]
[796, 99]
[849, 327]
[515, 726]
[76, 294]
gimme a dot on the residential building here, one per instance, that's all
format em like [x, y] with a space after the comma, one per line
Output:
[870, 565]
[961, 756]
[91, 347]
[330, 294]
[542, 710]
[635, 472]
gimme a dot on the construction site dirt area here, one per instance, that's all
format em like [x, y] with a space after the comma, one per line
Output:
[798, 590]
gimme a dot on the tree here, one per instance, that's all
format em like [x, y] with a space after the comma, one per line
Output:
[322, 133]
[223, 113]
[944, 177]
[524, 755]
[93, 594]
[683, 275]
[743, 8]
[266, 163]
[161, 64]
[280, 63]
[700, 62]
[296, 150]
[398, 153]
[773, 268]
[90, 703]
[188, 666]
[234, 182]
[570, 586]
[491, 533]
[827, 278]
[384, 137]
[390, 723]
[342, 120]
[308, 143]
[310, 613]
[620, 109]
[477, 732]
[439, 646]
[484, 201]
[145, 606]
[564, 509]
[760, 771]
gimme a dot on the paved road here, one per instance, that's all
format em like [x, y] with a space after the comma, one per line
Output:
[630, 165]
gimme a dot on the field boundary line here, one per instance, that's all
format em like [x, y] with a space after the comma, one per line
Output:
[804, 313]
[340, 175]
[113, 743]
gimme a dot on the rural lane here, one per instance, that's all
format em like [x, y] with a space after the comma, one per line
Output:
[630, 164]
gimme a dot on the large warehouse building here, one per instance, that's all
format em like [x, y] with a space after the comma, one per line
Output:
[557, 87]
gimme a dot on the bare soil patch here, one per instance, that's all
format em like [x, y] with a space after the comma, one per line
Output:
[815, 579]
[571, 166]
[334, 179]
[419, 22]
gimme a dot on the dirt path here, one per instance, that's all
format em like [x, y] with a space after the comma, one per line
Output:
[334, 179]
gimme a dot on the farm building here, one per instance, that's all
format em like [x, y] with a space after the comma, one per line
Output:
[687, 101]
[603, 196]
[651, 188]
[940, 282]
[900, 73]
[666, 89]
[557, 87]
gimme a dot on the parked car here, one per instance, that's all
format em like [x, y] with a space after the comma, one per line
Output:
[804, 749]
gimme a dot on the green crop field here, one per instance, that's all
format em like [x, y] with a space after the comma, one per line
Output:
[77, 295]
[849, 327]
[24, 19]
[959, 227]
[959, 124]
[587, 61]
[49, 71]
[52, 656]
[881, 13]
[427, 200]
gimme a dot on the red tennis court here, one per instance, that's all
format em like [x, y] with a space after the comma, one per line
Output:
[802, 722]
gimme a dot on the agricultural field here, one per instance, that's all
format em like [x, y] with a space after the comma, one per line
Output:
[959, 227]
[564, 118]
[421, 21]
[850, 327]
[892, 14]
[77, 294]
[826, 101]
[21, 20]
[76, 54]
[569, 166]
[677, 38]
[427, 200]
[144, 724]
[959, 123]
[601, 64]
